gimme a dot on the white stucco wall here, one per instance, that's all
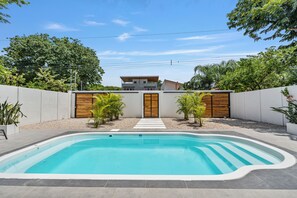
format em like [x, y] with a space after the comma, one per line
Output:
[49, 108]
[31, 105]
[63, 105]
[256, 105]
[133, 104]
[9, 93]
[37, 105]
[168, 105]
[271, 98]
[252, 105]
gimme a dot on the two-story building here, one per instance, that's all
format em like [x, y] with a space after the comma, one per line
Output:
[140, 82]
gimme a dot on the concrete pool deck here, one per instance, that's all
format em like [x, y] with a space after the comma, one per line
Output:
[261, 183]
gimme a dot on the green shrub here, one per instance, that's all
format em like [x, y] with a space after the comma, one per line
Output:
[198, 107]
[10, 113]
[184, 103]
[192, 104]
[107, 106]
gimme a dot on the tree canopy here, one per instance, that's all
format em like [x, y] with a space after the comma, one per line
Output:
[208, 76]
[64, 56]
[46, 80]
[272, 68]
[269, 18]
[3, 5]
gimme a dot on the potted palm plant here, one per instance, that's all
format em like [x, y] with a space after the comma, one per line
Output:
[9, 117]
[289, 111]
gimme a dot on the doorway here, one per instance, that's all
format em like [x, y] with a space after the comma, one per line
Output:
[151, 105]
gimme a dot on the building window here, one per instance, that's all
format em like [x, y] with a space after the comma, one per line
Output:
[144, 82]
[135, 82]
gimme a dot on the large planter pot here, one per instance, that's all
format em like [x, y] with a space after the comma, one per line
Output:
[10, 129]
[292, 128]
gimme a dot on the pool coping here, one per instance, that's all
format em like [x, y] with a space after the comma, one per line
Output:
[289, 161]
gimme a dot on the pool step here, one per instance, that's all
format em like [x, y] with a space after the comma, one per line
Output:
[220, 164]
[263, 156]
[229, 158]
[243, 156]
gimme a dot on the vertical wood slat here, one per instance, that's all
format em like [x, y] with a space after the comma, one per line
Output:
[217, 105]
[83, 105]
[151, 105]
[220, 105]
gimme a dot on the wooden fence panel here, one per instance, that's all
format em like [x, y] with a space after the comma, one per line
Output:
[83, 105]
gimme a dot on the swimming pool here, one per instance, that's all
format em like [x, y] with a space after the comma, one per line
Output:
[155, 156]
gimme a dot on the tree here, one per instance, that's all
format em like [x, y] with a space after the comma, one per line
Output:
[65, 56]
[3, 5]
[273, 68]
[100, 110]
[208, 76]
[99, 87]
[10, 77]
[46, 80]
[272, 18]
[159, 84]
[107, 106]
[198, 107]
[191, 103]
[184, 105]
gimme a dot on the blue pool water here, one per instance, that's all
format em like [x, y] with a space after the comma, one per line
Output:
[145, 154]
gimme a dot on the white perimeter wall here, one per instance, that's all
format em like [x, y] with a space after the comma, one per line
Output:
[37, 105]
[133, 102]
[256, 105]
[168, 105]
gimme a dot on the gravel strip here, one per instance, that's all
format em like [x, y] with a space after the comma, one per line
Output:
[221, 123]
[82, 124]
[170, 123]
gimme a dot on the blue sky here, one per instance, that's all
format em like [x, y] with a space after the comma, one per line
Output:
[129, 48]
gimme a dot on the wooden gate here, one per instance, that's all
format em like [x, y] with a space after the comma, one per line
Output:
[151, 105]
[83, 105]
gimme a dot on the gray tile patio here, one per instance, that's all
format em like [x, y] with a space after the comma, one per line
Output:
[270, 183]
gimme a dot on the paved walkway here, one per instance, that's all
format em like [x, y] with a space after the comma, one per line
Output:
[150, 123]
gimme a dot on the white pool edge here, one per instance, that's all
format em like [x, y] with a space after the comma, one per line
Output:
[289, 160]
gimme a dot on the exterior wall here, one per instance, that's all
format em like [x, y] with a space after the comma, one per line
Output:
[37, 105]
[49, 106]
[141, 84]
[170, 85]
[9, 93]
[256, 105]
[167, 103]
[133, 104]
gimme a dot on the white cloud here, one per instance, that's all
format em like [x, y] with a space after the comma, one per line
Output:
[159, 53]
[59, 27]
[93, 23]
[139, 29]
[205, 37]
[107, 58]
[223, 36]
[124, 36]
[120, 22]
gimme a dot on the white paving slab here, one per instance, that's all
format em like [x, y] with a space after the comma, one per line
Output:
[150, 123]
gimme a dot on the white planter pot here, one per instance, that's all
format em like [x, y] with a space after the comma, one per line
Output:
[292, 128]
[10, 129]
